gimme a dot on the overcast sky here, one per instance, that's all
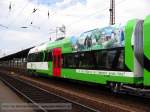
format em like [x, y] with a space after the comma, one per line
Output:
[77, 15]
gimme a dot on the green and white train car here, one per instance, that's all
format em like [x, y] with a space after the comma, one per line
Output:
[110, 55]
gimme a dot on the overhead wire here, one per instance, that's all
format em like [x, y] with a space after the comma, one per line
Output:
[34, 12]
[69, 25]
[20, 12]
[7, 27]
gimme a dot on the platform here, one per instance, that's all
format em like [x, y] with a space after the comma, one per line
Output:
[7, 96]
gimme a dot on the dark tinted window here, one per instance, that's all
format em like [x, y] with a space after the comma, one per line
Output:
[86, 60]
[31, 58]
[121, 60]
[36, 57]
[101, 59]
[112, 59]
[48, 56]
[39, 57]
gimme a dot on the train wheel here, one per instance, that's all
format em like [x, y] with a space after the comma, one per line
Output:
[115, 87]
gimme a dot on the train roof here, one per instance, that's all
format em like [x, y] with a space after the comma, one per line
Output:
[63, 43]
[38, 48]
[101, 38]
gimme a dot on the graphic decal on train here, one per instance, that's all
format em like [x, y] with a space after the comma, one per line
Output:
[109, 54]
[107, 37]
[106, 73]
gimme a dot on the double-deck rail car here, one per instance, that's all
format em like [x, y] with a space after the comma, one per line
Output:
[112, 55]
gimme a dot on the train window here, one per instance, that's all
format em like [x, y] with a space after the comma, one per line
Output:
[121, 60]
[37, 57]
[101, 59]
[118, 60]
[70, 60]
[31, 57]
[112, 59]
[45, 56]
[86, 60]
[78, 60]
[42, 56]
[64, 61]
[48, 56]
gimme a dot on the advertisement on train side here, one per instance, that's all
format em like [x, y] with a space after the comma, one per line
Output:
[103, 38]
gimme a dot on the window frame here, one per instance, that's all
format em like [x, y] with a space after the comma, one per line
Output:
[93, 52]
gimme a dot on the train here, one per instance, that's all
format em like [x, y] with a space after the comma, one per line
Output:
[114, 55]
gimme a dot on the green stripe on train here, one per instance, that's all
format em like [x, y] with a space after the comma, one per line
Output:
[129, 54]
[97, 78]
[147, 49]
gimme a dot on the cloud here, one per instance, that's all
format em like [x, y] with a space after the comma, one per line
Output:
[77, 15]
[131, 9]
[68, 3]
[20, 39]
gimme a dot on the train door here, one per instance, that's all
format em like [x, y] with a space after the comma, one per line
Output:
[57, 62]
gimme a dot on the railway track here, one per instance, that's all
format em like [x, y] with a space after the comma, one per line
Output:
[38, 96]
[94, 96]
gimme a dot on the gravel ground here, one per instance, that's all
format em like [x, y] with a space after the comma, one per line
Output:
[93, 95]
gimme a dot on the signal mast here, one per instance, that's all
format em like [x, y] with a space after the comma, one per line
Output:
[112, 12]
